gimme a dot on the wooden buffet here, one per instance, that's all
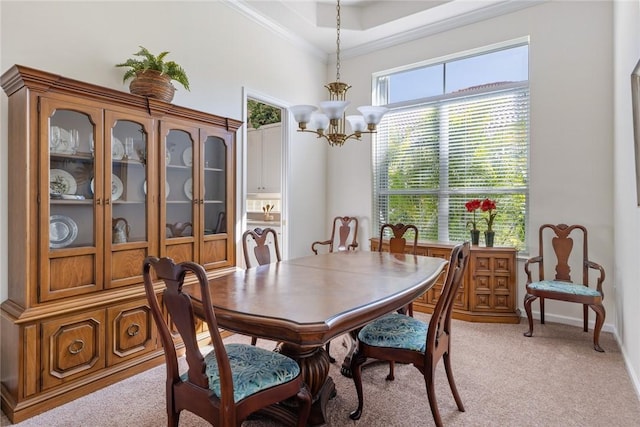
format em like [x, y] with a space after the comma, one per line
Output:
[99, 179]
[488, 292]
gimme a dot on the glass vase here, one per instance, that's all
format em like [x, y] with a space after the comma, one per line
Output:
[475, 237]
[488, 238]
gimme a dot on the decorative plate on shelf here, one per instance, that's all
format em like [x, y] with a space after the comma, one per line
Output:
[187, 156]
[117, 149]
[116, 187]
[167, 157]
[62, 182]
[188, 188]
[62, 231]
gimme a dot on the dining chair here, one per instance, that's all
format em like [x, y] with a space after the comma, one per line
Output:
[561, 287]
[398, 244]
[343, 227]
[405, 339]
[261, 250]
[231, 381]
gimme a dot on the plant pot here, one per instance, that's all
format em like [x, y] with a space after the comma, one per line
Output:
[152, 84]
[488, 238]
[475, 237]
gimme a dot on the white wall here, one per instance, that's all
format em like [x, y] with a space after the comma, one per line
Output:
[627, 215]
[571, 125]
[220, 49]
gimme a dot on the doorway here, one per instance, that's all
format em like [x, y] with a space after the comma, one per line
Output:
[264, 197]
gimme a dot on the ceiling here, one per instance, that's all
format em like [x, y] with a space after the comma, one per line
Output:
[368, 25]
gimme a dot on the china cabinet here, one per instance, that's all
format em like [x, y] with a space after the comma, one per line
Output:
[264, 159]
[487, 292]
[98, 180]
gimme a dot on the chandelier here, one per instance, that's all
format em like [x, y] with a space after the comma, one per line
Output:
[330, 122]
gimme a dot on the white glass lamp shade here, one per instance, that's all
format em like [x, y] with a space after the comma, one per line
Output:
[372, 115]
[357, 123]
[302, 113]
[334, 109]
[319, 121]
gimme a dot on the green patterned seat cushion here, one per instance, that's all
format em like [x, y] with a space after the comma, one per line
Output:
[395, 331]
[563, 287]
[253, 369]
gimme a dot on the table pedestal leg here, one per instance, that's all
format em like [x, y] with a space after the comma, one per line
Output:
[314, 366]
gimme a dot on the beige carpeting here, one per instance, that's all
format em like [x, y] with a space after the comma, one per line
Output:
[505, 379]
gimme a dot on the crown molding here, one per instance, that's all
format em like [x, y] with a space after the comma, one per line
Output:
[244, 9]
[468, 18]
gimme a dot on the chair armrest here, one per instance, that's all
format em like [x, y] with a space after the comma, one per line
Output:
[353, 246]
[598, 267]
[313, 245]
[533, 260]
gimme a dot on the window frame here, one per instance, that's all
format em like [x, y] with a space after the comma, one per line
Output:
[380, 94]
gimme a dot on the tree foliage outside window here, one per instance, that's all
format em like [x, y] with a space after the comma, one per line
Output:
[262, 114]
[432, 155]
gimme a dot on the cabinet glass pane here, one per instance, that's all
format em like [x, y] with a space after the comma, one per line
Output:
[71, 169]
[128, 182]
[179, 189]
[215, 185]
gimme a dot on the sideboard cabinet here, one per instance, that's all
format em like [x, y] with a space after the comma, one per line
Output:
[98, 180]
[488, 290]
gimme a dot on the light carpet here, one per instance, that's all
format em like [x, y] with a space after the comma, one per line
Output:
[554, 378]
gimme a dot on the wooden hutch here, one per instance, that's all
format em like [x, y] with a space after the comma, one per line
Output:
[99, 179]
[488, 290]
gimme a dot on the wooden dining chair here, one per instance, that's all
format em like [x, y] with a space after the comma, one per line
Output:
[230, 382]
[561, 287]
[404, 339]
[261, 250]
[343, 227]
[398, 244]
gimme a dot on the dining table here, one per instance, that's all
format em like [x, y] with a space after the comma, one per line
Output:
[303, 303]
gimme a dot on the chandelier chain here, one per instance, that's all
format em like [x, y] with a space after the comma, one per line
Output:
[338, 42]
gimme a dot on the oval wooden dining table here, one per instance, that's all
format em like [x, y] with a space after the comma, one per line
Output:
[305, 302]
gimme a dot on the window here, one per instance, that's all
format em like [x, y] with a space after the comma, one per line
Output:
[456, 130]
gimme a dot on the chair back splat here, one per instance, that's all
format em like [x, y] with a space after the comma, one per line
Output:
[404, 339]
[262, 250]
[213, 386]
[398, 242]
[561, 287]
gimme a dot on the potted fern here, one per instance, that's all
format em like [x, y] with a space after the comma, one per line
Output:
[152, 75]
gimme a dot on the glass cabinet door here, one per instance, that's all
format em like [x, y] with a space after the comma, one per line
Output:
[179, 186]
[128, 188]
[128, 211]
[215, 185]
[71, 172]
[71, 259]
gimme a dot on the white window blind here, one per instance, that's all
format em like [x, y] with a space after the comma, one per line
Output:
[430, 158]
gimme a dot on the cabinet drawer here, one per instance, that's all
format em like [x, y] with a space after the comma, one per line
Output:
[130, 331]
[72, 347]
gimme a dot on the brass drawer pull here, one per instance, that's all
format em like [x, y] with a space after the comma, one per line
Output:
[133, 330]
[76, 347]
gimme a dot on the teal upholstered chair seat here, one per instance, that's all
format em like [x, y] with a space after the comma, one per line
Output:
[564, 287]
[395, 331]
[253, 369]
